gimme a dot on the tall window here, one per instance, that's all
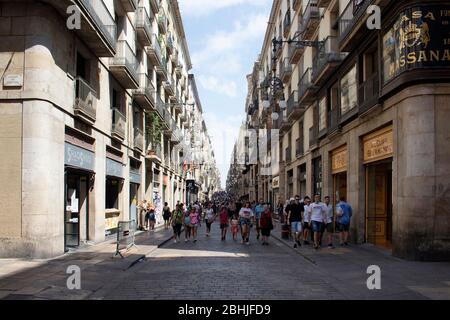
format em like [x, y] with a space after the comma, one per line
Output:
[349, 95]
[323, 114]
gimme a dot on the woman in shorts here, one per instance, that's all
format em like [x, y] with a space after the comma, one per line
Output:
[246, 215]
[194, 218]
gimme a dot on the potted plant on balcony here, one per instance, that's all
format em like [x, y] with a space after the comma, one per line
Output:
[153, 133]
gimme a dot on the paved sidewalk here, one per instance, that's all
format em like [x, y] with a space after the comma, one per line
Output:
[46, 279]
[346, 266]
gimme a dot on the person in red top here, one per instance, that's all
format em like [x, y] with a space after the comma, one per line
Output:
[266, 225]
[223, 221]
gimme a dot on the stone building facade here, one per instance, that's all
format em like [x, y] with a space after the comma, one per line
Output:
[365, 117]
[92, 119]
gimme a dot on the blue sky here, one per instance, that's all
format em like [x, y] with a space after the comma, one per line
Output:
[224, 39]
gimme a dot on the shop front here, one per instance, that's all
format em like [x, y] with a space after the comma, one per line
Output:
[78, 174]
[135, 183]
[378, 157]
[339, 162]
[114, 186]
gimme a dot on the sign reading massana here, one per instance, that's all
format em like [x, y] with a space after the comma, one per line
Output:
[419, 38]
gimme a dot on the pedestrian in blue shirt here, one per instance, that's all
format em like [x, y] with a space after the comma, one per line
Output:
[259, 209]
[344, 214]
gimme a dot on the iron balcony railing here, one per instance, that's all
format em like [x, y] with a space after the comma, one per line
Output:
[85, 100]
[351, 15]
[333, 119]
[287, 22]
[160, 107]
[138, 139]
[292, 102]
[369, 92]
[169, 43]
[327, 53]
[103, 19]
[145, 86]
[310, 16]
[305, 83]
[288, 154]
[156, 45]
[285, 69]
[125, 57]
[300, 148]
[143, 21]
[118, 123]
[162, 20]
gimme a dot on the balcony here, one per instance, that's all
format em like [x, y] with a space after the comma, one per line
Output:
[154, 51]
[296, 5]
[285, 70]
[295, 51]
[306, 89]
[168, 87]
[299, 147]
[129, 5]
[169, 44]
[278, 49]
[179, 71]
[118, 124]
[176, 137]
[313, 140]
[294, 110]
[154, 5]
[178, 108]
[168, 122]
[327, 59]
[162, 21]
[285, 123]
[138, 139]
[287, 23]
[98, 28]
[288, 154]
[124, 66]
[174, 57]
[350, 23]
[143, 27]
[311, 19]
[145, 94]
[162, 69]
[333, 121]
[161, 111]
[154, 154]
[369, 92]
[323, 3]
[85, 106]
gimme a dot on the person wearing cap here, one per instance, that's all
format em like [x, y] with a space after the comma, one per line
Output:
[295, 211]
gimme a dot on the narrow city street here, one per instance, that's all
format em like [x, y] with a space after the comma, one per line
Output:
[211, 269]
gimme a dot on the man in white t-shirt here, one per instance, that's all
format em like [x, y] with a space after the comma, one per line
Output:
[306, 220]
[246, 216]
[318, 212]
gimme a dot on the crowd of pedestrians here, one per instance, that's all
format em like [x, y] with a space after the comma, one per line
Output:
[307, 220]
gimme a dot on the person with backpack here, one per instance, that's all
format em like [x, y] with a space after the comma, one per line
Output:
[166, 215]
[176, 219]
[344, 214]
[187, 223]
[266, 225]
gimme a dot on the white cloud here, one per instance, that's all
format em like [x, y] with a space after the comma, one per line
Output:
[205, 7]
[219, 86]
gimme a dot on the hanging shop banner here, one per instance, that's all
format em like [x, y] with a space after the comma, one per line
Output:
[379, 145]
[78, 157]
[275, 182]
[420, 38]
[114, 168]
[339, 160]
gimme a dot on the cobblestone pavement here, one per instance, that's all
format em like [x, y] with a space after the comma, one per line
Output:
[212, 269]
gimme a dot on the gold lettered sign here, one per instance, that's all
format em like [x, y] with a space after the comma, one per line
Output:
[339, 160]
[420, 38]
[379, 145]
